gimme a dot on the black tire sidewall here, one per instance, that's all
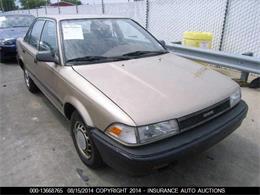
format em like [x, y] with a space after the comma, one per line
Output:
[95, 161]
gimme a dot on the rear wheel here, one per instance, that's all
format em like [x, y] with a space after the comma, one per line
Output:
[83, 142]
[29, 82]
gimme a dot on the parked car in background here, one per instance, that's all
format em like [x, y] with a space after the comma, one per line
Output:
[12, 27]
[132, 104]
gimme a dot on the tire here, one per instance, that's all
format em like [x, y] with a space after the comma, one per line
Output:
[255, 83]
[83, 142]
[29, 82]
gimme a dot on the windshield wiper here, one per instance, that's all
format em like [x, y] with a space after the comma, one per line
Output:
[87, 58]
[97, 58]
[141, 53]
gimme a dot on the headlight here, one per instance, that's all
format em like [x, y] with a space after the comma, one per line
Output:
[139, 135]
[235, 97]
[158, 130]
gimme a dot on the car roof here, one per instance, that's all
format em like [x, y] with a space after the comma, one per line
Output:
[78, 16]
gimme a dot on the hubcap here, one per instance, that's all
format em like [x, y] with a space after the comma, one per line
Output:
[26, 78]
[82, 139]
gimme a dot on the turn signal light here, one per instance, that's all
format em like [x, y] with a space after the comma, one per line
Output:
[115, 130]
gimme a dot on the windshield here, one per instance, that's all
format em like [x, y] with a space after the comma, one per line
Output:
[14, 21]
[91, 40]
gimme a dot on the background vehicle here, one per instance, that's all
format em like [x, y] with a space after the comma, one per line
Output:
[131, 103]
[12, 27]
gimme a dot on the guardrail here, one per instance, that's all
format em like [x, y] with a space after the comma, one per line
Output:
[243, 63]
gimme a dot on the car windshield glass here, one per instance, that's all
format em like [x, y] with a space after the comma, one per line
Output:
[14, 21]
[95, 40]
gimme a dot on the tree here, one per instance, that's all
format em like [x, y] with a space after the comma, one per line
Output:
[30, 4]
[75, 2]
[7, 5]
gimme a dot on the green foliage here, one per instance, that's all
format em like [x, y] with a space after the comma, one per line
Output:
[75, 2]
[30, 4]
[7, 5]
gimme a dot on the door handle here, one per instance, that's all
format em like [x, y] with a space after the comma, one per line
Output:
[23, 50]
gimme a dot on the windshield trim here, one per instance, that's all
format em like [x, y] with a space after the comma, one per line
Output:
[87, 63]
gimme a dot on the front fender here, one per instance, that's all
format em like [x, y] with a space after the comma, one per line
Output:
[80, 108]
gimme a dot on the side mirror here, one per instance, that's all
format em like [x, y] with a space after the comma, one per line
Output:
[47, 56]
[163, 43]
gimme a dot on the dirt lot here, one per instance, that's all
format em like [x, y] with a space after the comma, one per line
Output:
[36, 147]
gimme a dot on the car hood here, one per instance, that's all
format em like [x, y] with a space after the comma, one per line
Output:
[158, 88]
[12, 33]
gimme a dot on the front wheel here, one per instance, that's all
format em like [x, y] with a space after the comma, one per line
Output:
[83, 142]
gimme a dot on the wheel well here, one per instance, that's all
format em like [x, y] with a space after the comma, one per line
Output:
[68, 110]
[20, 62]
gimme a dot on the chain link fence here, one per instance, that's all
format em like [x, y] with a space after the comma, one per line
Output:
[242, 29]
[169, 19]
[235, 24]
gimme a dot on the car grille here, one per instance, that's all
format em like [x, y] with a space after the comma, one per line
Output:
[200, 117]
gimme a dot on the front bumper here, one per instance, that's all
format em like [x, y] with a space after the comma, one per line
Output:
[7, 52]
[138, 160]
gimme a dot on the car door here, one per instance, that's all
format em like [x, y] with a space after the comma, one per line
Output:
[47, 71]
[30, 47]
